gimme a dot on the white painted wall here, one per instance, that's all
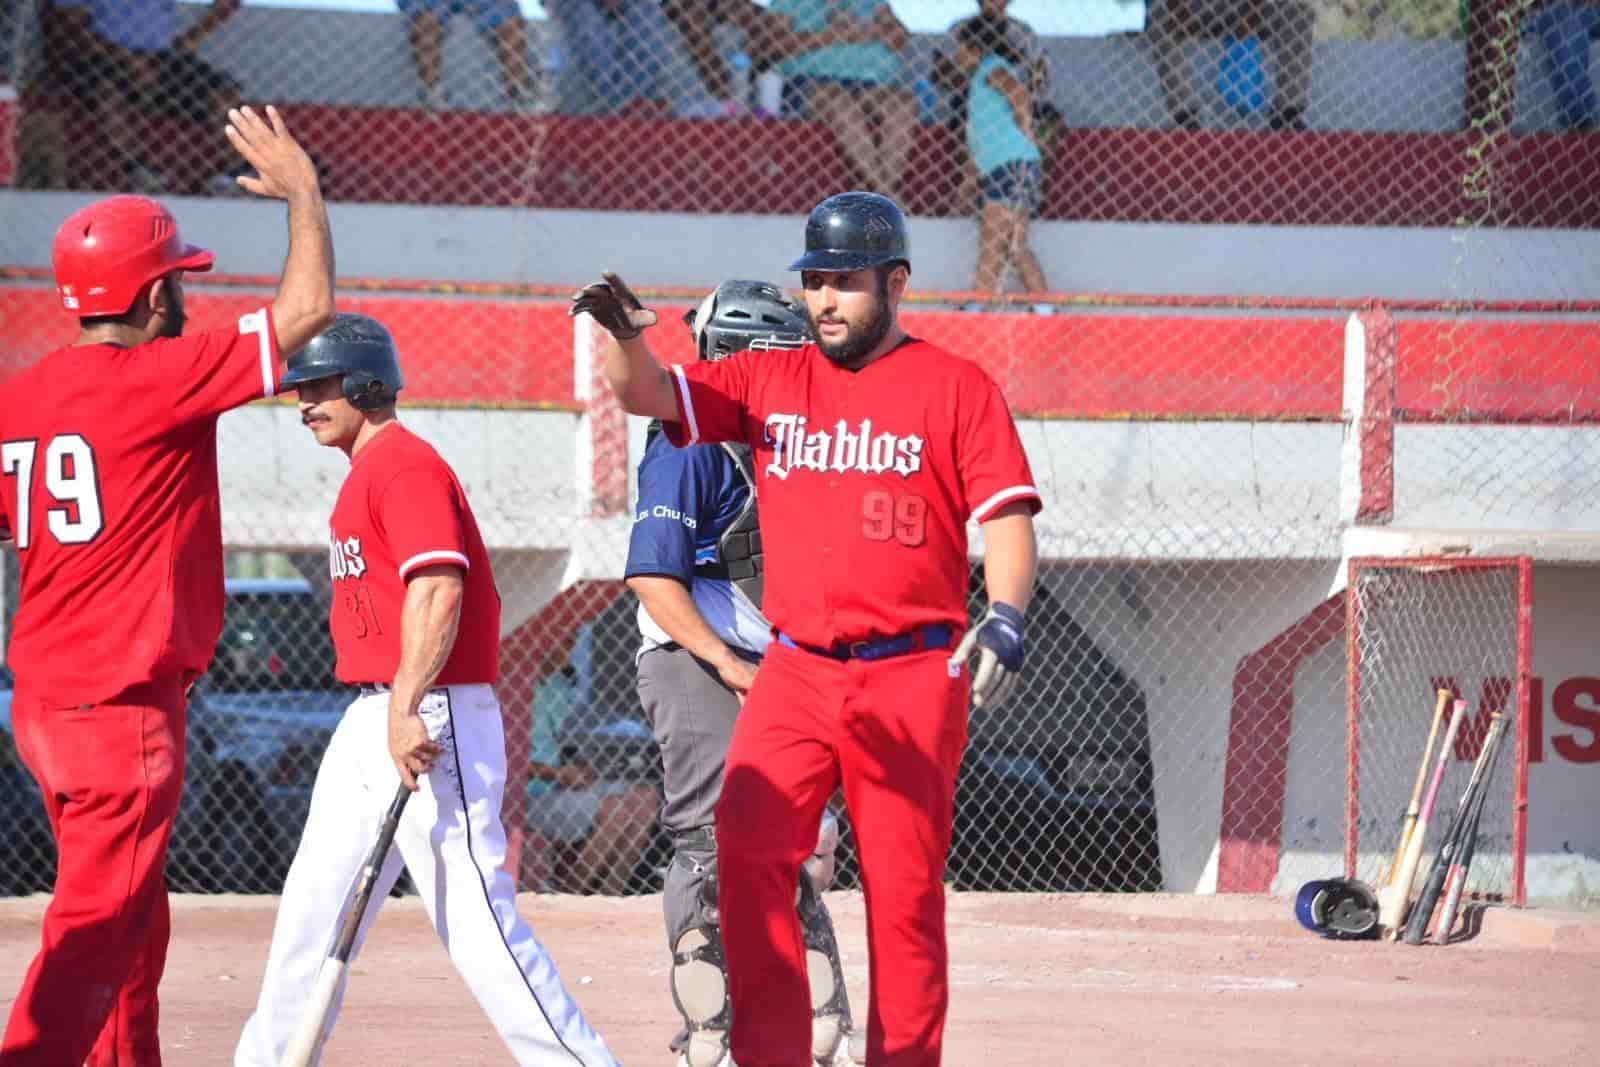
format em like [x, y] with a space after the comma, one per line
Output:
[548, 247]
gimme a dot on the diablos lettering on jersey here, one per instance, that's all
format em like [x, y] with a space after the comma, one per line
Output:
[344, 557]
[796, 446]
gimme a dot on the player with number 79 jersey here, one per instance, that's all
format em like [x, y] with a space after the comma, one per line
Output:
[108, 487]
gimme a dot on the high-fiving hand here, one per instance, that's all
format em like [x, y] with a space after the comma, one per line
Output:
[613, 306]
[282, 167]
[1000, 645]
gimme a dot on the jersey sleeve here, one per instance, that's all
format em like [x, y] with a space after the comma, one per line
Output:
[420, 514]
[673, 485]
[713, 400]
[209, 373]
[994, 467]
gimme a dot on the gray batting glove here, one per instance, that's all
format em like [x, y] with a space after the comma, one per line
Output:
[613, 306]
[1000, 646]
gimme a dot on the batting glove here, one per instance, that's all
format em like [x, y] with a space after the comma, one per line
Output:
[1000, 646]
[613, 306]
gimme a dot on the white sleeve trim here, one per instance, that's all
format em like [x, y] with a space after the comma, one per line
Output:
[1004, 496]
[257, 323]
[685, 404]
[422, 559]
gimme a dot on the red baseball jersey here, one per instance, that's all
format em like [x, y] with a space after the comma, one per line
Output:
[108, 486]
[399, 509]
[866, 479]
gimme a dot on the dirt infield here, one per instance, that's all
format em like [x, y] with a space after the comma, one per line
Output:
[1036, 980]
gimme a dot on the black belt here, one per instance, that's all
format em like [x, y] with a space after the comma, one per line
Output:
[930, 636]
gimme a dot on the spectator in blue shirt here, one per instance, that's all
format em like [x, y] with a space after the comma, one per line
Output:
[618, 49]
[1000, 140]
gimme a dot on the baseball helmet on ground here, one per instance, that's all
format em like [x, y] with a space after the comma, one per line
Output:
[358, 348]
[853, 231]
[1340, 908]
[105, 253]
[744, 315]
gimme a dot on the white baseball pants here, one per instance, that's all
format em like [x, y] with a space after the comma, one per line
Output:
[452, 841]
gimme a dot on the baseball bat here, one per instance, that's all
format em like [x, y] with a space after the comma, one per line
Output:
[1393, 897]
[1428, 899]
[1441, 701]
[1461, 867]
[308, 1037]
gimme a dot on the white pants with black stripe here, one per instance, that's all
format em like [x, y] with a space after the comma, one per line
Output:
[452, 841]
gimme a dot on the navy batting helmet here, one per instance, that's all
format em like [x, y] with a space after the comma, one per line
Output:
[853, 231]
[1340, 908]
[358, 349]
[745, 315]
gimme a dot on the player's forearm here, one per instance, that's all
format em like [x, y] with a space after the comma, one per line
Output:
[429, 618]
[1010, 556]
[672, 607]
[641, 384]
[304, 302]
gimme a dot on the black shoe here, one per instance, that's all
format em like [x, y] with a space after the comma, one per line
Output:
[680, 1042]
[1185, 120]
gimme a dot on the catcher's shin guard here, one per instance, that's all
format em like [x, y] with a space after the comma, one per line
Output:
[830, 1002]
[699, 968]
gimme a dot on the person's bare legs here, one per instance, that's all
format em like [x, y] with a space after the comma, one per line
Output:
[614, 843]
[834, 107]
[897, 129]
[426, 34]
[1022, 256]
[994, 238]
[511, 49]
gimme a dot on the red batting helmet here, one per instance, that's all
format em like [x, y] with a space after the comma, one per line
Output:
[105, 253]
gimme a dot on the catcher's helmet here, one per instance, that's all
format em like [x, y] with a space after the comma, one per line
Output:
[1340, 908]
[745, 315]
[853, 231]
[105, 253]
[359, 349]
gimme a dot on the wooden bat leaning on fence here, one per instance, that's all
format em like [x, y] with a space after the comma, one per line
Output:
[1461, 862]
[1407, 823]
[1428, 899]
[1392, 898]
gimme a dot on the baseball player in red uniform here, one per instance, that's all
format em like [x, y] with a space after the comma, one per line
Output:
[872, 451]
[108, 486]
[415, 620]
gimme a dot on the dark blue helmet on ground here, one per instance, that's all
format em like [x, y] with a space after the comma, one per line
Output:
[742, 316]
[854, 231]
[1339, 908]
[358, 349]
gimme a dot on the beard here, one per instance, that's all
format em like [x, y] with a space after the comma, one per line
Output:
[857, 342]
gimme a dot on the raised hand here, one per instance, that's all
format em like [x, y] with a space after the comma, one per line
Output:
[282, 167]
[613, 306]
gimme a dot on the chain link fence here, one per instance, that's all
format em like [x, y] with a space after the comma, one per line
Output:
[1398, 332]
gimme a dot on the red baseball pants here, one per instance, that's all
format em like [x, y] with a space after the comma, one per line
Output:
[111, 775]
[891, 732]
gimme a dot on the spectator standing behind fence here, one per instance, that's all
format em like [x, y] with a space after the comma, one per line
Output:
[126, 58]
[501, 20]
[999, 135]
[1285, 25]
[846, 67]
[618, 50]
[572, 806]
[1565, 26]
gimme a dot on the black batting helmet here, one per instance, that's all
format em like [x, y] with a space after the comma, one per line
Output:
[853, 231]
[360, 350]
[744, 315]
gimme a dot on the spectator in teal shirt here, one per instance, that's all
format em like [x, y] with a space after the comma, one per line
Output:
[1000, 140]
[846, 69]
